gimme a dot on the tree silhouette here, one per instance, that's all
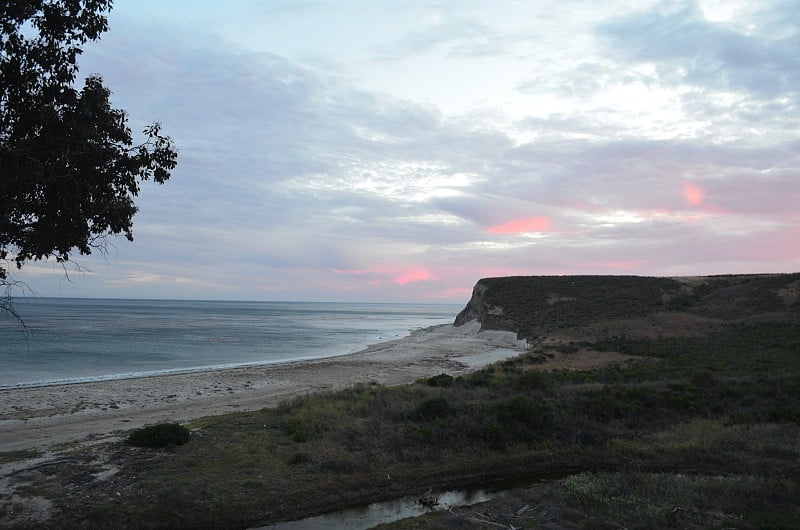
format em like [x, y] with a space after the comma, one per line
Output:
[69, 168]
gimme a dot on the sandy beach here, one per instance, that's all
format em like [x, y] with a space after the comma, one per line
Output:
[46, 417]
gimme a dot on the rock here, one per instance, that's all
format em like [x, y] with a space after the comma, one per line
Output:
[491, 317]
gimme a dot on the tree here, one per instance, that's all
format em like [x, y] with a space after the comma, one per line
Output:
[69, 168]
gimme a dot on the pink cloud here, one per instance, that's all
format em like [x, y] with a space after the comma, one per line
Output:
[458, 293]
[413, 275]
[626, 265]
[694, 195]
[530, 224]
[397, 276]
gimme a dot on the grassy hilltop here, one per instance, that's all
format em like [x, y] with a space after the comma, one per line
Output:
[646, 402]
[535, 306]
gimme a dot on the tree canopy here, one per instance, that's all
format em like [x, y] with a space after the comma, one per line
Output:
[69, 167]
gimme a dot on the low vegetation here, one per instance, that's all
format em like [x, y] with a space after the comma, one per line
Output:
[161, 435]
[545, 305]
[631, 499]
[696, 430]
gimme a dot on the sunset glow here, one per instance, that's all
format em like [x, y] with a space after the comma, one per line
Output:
[531, 224]
[414, 275]
[694, 195]
[373, 152]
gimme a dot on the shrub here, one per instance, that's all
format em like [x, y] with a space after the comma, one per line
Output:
[532, 380]
[441, 380]
[432, 409]
[768, 518]
[703, 379]
[161, 435]
[299, 458]
[481, 377]
[521, 410]
[294, 428]
[568, 348]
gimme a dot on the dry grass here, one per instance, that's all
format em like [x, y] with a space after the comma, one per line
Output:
[582, 359]
[790, 293]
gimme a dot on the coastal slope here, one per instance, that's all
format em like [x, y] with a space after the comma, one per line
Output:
[536, 307]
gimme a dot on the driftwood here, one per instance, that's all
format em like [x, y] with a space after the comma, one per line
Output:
[428, 500]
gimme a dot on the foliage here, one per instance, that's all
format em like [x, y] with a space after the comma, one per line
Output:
[298, 458]
[658, 500]
[583, 299]
[431, 409]
[768, 348]
[541, 305]
[531, 380]
[69, 166]
[161, 435]
[441, 380]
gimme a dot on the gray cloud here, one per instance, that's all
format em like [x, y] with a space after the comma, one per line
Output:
[455, 37]
[764, 62]
[292, 181]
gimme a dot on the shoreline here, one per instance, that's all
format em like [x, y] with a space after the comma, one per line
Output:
[84, 340]
[170, 372]
[91, 412]
[78, 380]
[204, 369]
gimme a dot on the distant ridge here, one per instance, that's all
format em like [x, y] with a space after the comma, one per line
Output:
[534, 306]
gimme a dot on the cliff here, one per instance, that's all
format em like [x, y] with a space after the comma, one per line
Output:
[481, 308]
[532, 306]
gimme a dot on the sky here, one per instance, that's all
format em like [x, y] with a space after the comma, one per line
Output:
[402, 150]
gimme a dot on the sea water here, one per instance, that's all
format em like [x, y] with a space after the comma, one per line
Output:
[75, 340]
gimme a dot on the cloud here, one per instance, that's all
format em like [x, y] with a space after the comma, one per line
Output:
[516, 226]
[694, 195]
[456, 37]
[414, 275]
[388, 275]
[296, 183]
[741, 73]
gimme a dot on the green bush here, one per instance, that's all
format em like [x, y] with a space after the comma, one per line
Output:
[432, 409]
[481, 377]
[769, 519]
[294, 428]
[441, 380]
[703, 379]
[521, 410]
[299, 458]
[161, 435]
[568, 348]
[532, 380]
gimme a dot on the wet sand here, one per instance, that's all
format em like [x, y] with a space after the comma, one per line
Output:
[44, 417]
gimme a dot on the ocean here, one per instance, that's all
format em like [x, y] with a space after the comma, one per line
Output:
[76, 340]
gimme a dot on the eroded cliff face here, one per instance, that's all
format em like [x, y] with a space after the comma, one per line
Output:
[490, 316]
[473, 309]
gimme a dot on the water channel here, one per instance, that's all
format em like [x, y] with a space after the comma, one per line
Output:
[363, 517]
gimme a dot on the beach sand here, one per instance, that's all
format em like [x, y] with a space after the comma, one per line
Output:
[46, 418]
